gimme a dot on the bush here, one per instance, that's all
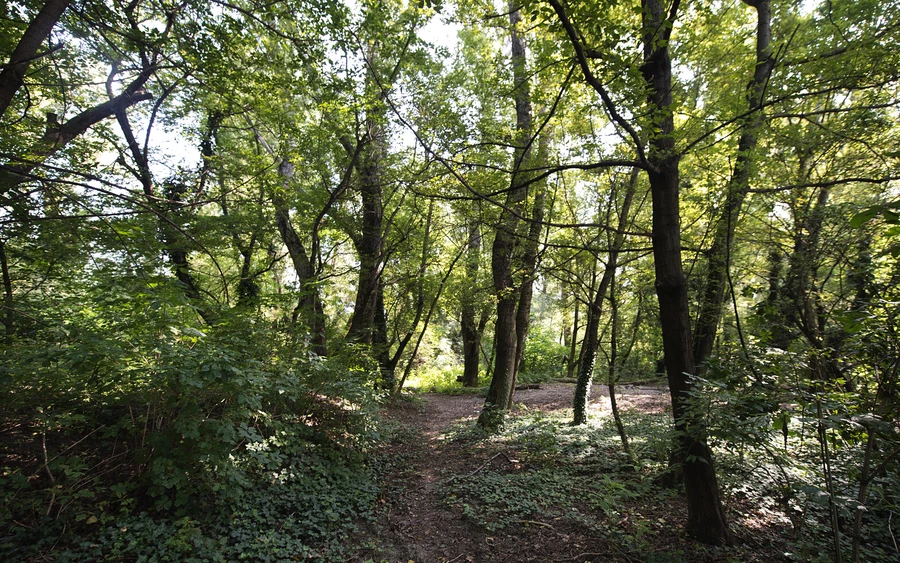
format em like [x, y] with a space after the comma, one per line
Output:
[156, 441]
[542, 359]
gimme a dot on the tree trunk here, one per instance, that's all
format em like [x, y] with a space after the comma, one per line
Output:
[309, 306]
[389, 362]
[591, 342]
[526, 292]
[370, 246]
[738, 186]
[13, 75]
[8, 311]
[614, 363]
[471, 336]
[706, 517]
[167, 206]
[505, 334]
[572, 358]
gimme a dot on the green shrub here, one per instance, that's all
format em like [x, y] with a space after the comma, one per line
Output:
[161, 442]
[542, 358]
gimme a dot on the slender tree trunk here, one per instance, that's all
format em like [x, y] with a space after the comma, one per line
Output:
[428, 315]
[471, 336]
[614, 363]
[505, 334]
[572, 362]
[8, 311]
[591, 342]
[802, 294]
[706, 517]
[388, 361]
[168, 209]
[13, 75]
[57, 135]
[526, 292]
[738, 186]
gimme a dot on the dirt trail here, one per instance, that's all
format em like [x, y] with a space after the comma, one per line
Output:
[416, 525]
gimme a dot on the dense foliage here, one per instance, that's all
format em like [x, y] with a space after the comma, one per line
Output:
[229, 231]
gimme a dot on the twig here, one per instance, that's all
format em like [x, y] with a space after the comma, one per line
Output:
[49, 473]
[535, 522]
[482, 466]
[580, 556]
[892, 532]
[85, 437]
[455, 558]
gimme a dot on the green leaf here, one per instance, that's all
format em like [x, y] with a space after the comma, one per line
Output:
[865, 216]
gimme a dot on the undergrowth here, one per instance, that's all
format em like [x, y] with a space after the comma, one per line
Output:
[225, 445]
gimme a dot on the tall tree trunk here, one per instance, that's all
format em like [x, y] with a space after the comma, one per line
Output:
[370, 246]
[388, 361]
[706, 517]
[13, 75]
[471, 336]
[505, 335]
[168, 207]
[802, 300]
[591, 342]
[738, 186]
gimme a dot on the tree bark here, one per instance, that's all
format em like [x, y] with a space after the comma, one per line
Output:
[9, 318]
[530, 258]
[391, 361]
[706, 517]
[166, 207]
[614, 364]
[572, 360]
[738, 186]
[13, 74]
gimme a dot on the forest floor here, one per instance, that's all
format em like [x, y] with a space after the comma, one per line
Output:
[422, 520]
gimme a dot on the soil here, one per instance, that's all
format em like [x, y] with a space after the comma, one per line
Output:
[415, 526]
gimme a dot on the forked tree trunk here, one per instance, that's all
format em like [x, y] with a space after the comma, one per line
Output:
[572, 360]
[370, 246]
[58, 135]
[706, 517]
[614, 364]
[309, 306]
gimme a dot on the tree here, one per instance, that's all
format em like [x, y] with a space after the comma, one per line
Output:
[506, 336]
[706, 517]
[591, 332]
[719, 253]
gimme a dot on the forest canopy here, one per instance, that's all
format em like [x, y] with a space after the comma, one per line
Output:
[232, 231]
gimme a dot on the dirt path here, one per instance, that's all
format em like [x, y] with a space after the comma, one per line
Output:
[418, 527]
